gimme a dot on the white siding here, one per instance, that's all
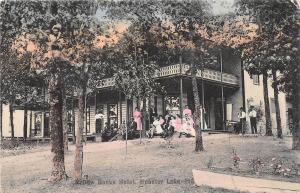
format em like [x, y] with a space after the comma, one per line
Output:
[18, 122]
[255, 94]
[124, 111]
[92, 120]
[76, 120]
[159, 105]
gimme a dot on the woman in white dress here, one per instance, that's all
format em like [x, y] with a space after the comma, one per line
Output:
[157, 125]
[184, 126]
[191, 129]
[188, 126]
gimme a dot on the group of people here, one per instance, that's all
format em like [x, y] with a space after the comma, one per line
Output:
[241, 127]
[165, 126]
[109, 130]
[170, 124]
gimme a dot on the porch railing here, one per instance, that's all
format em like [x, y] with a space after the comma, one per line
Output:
[176, 70]
[105, 83]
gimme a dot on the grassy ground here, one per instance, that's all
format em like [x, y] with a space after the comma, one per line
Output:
[152, 166]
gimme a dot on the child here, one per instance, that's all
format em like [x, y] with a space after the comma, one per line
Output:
[158, 125]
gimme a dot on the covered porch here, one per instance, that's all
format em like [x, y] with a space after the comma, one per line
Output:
[221, 102]
[113, 106]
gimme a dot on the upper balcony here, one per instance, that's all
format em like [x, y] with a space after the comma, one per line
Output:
[183, 70]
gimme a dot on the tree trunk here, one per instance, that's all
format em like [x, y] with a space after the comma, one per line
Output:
[1, 134]
[267, 105]
[25, 116]
[296, 108]
[57, 141]
[25, 123]
[79, 132]
[65, 118]
[197, 116]
[73, 121]
[277, 108]
[30, 125]
[296, 117]
[144, 117]
[11, 119]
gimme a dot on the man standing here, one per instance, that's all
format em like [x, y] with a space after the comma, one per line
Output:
[252, 115]
[242, 117]
[99, 121]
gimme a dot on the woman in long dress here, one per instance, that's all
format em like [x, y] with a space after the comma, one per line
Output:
[185, 125]
[178, 123]
[188, 126]
[157, 125]
[137, 115]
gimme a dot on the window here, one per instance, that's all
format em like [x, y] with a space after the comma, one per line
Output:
[87, 119]
[112, 114]
[99, 109]
[255, 79]
[70, 120]
[172, 104]
[37, 124]
[272, 105]
[290, 120]
[46, 125]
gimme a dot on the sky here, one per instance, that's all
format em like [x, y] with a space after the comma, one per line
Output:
[220, 7]
[226, 6]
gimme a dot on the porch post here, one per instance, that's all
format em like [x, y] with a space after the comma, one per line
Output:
[127, 110]
[30, 126]
[1, 134]
[222, 92]
[202, 96]
[181, 88]
[85, 115]
[44, 111]
[120, 105]
[73, 119]
[95, 102]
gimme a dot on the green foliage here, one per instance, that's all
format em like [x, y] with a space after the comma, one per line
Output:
[70, 25]
[276, 44]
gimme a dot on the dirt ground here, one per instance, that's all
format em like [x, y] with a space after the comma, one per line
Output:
[151, 166]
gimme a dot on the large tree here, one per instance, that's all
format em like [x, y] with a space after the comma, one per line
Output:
[187, 18]
[288, 81]
[15, 76]
[266, 52]
[137, 65]
[137, 52]
[176, 27]
[9, 28]
[59, 33]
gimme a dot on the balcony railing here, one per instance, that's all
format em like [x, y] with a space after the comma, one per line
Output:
[176, 70]
[107, 82]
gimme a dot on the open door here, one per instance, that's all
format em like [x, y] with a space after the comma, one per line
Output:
[46, 125]
[219, 114]
[129, 110]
